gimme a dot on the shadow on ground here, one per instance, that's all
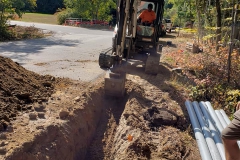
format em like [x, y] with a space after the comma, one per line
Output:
[20, 50]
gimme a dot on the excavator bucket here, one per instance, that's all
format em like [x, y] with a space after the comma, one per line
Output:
[152, 64]
[153, 60]
[115, 84]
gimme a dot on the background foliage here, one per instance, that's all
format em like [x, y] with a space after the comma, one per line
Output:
[7, 9]
[91, 9]
[49, 6]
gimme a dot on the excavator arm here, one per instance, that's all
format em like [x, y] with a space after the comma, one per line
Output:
[127, 38]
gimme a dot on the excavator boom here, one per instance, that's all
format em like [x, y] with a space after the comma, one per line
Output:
[130, 35]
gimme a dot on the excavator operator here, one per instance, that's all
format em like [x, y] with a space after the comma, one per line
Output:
[147, 17]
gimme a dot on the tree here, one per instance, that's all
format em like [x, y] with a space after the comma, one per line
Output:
[8, 8]
[186, 9]
[92, 9]
[19, 6]
[4, 5]
[14, 6]
[49, 6]
[219, 21]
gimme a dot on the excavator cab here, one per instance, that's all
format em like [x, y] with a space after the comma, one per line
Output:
[129, 35]
[148, 36]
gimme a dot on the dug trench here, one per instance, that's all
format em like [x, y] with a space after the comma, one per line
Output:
[77, 121]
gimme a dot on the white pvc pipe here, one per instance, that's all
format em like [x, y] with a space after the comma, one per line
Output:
[207, 134]
[221, 119]
[202, 145]
[215, 134]
[214, 116]
[225, 116]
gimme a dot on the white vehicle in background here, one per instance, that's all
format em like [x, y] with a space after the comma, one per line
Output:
[168, 23]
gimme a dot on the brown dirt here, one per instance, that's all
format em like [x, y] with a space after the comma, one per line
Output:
[19, 89]
[50, 118]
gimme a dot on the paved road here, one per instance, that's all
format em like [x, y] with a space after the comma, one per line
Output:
[71, 52]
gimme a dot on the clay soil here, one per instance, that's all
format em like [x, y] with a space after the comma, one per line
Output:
[43, 117]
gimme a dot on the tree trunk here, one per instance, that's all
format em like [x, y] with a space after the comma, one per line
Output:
[97, 10]
[199, 21]
[219, 23]
[234, 20]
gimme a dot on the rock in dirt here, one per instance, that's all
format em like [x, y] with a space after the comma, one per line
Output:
[6, 118]
[3, 136]
[53, 79]
[77, 99]
[32, 116]
[41, 115]
[39, 127]
[159, 116]
[47, 84]
[10, 128]
[5, 124]
[164, 118]
[1, 128]
[3, 144]
[3, 150]
[40, 108]
[63, 114]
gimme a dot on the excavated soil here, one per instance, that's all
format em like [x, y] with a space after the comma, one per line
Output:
[19, 89]
[43, 117]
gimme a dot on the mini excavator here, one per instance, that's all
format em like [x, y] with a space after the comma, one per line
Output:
[129, 35]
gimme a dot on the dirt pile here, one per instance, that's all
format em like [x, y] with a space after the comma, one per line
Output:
[20, 88]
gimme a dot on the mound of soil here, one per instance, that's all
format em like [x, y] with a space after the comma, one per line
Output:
[19, 88]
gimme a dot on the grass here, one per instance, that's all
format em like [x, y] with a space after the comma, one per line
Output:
[39, 18]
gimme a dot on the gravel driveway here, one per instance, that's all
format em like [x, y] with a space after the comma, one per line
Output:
[71, 52]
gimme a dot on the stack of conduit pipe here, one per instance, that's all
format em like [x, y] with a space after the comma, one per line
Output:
[222, 117]
[207, 125]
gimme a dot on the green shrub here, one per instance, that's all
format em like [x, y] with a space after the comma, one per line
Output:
[67, 13]
[5, 34]
[232, 97]
[220, 95]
